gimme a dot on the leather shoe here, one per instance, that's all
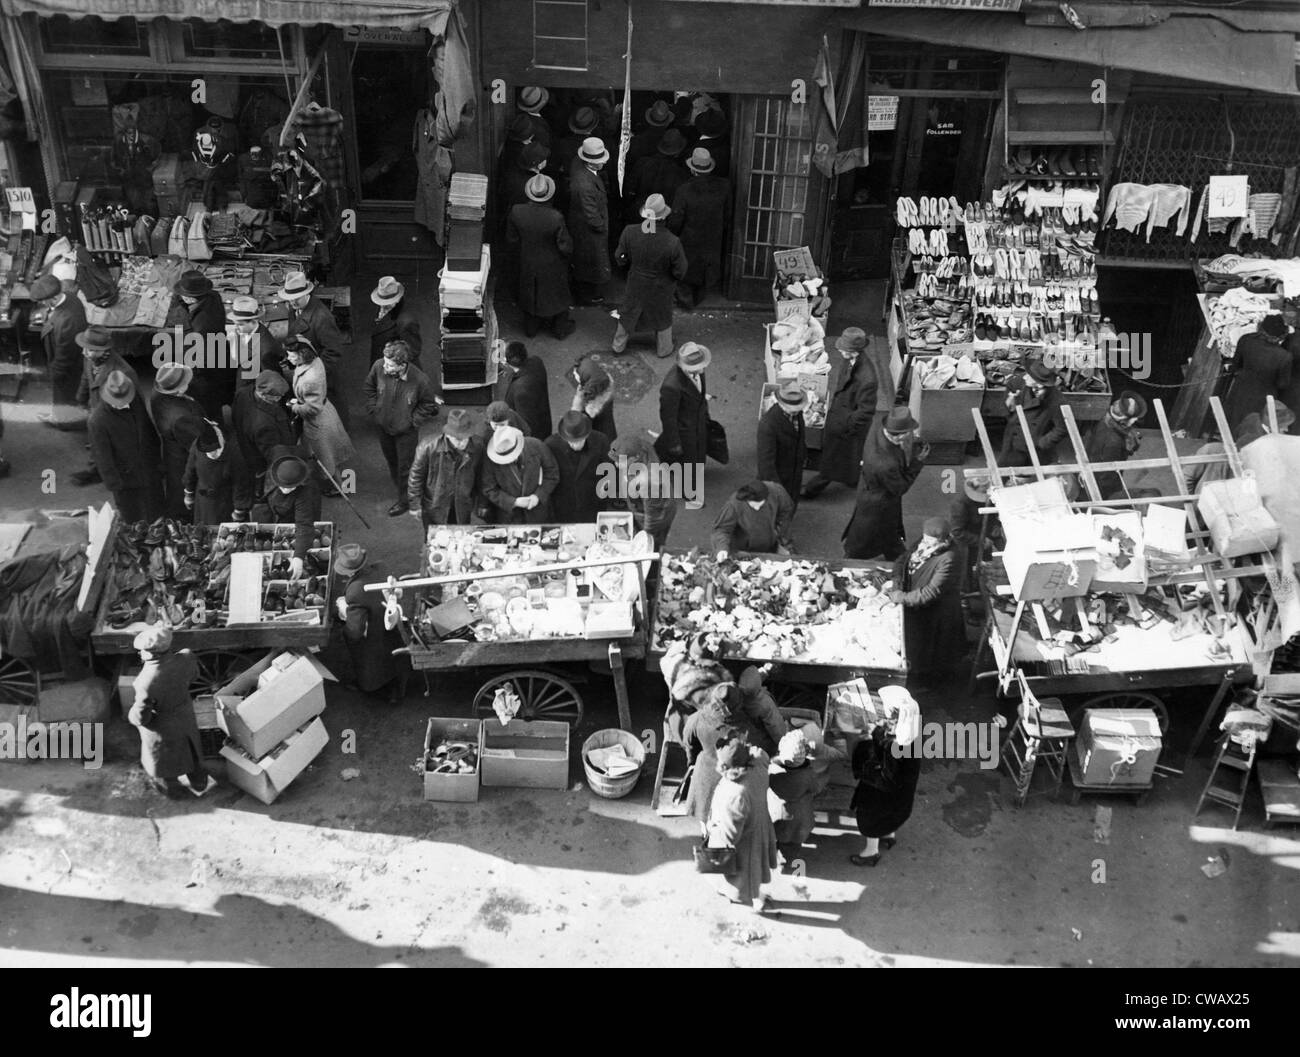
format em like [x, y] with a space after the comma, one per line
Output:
[397, 509]
[865, 860]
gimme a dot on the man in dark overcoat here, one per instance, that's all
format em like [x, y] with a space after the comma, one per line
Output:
[544, 246]
[684, 413]
[849, 416]
[527, 391]
[589, 222]
[782, 449]
[656, 263]
[699, 217]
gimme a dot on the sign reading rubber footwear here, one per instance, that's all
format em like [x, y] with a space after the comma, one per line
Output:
[964, 5]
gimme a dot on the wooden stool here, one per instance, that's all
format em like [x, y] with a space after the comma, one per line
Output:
[1042, 732]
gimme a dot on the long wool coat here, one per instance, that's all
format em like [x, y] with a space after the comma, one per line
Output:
[533, 473]
[888, 471]
[588, 225]
[528, 392]
[880, 812]
[782, 450]
[574, 501]
[699, 218]
[934, 630]
[656, 262]
[169, 743]
[739, 816]
[849, 416]
[684, 418]
[369, 643]
[701, 734]
[544, 246]
[219, 485]
[178, 420]
[1259, 369]
[322, 430]
[125, 448]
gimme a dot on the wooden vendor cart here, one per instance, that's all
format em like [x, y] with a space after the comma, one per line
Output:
[540, 671]
[1131, 666]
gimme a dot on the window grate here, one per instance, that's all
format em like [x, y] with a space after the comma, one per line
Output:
[779, 184]
[1185, 141]
[560, 35]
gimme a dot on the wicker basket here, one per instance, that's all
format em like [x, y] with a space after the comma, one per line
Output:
[602, 784]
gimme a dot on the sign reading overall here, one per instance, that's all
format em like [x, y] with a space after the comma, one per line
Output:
[1228, 196]
[953, 5]
[882, 113]
[382, 35]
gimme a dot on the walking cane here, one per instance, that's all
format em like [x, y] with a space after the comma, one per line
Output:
[330, 477]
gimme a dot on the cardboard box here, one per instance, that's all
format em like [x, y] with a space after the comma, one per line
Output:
[1118, 746]
[609, 620]
[527, 755]
[270, 776]
[1164, 531]
[456, 788]
[259, 720]
[1039, 575]
[1235, 515]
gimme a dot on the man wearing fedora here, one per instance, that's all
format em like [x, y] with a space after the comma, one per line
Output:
[519, 477]
[658, 117]
[589, 222]
[583, 122]
[163, 712]
[124, 448]
[849, 416]
[198, 309]
[262, 423]
[178, 419]
[892, 459]
[655, 264]
[1037, 392]
[538, 233]
[214, 478]
[528, 390]
[782, 449]
[660, 173]
[310, 318]
[699, 218]
[442, 488]
[400, 398]
[530, 102]
[290, 498]
[251, 342]
[712, 126]
[579, 453]
[370, 642]
[99, 362]
[397, 320]
[684, 414]
[65, 318]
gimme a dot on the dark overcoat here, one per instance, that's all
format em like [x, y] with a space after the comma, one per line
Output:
[684, 418]
[545, 246]
[574, 501]
[699, 217]
[782, 450]
[169, 741]
[849, 415]
[934, 630]
[588, 225]
[656, 263]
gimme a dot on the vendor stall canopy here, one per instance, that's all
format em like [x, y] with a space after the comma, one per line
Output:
[1255, 51]
[416, 14]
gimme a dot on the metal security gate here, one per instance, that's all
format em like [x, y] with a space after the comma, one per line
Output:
[779, 196]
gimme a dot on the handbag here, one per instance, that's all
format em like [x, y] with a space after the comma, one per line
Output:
[176, 239]
[712, 860]
[715, 443]
[874, 765]
[196, 242]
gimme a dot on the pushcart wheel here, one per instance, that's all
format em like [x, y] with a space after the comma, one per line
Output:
[19, 683]
[216, 669]
[542, 695]
[1132, 699]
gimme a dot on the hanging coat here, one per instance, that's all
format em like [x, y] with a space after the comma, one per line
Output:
[738, 816]
[683, 417]
[888, 471]
[527, 392]
[369, 643]
[574, 501]
[322, 432]
[699, 217]
[431, 141]
[588, 225]
[655, 263]
[169, 738]
[544, 247]
[781, 450]
[218, 485]
[178, 420]
[934, 630]
[848, 419]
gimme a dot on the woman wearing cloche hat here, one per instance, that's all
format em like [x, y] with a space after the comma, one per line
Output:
[163, 712]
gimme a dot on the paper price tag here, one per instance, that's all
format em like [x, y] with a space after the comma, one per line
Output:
[1228, 196]
[20, 200]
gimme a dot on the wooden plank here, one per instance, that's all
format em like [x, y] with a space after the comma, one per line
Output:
[1226, 438]
[1272, 414]
[1029, 442]
[1056, 137]
[517, 653]
[1076, 441]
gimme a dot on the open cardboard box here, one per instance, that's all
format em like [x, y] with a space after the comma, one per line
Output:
[457, 788]
[523, 754]
[268, 777]
[258, 710]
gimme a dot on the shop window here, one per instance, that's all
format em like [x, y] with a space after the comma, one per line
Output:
[62, 35]
[779, 183]
[560, 34]
[229, 40]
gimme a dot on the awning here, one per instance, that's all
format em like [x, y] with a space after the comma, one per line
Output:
[1191, 48]
[415, 14]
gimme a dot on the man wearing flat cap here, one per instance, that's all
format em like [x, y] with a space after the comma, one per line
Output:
[1037, 391]
[1114, 438]
[163, 712]
[291, 498]
[64, 320]
[125, 450]
[782, 450]
[655, 264]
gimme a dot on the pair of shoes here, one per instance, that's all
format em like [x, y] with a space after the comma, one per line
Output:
[82, 478]
[665, 355]
[865, 860]
[330, 493]
[207, 788]
[398, 509]
[888, 842]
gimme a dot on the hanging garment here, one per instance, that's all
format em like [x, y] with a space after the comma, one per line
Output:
[431, 142]
[1155, 204]
[322, 130]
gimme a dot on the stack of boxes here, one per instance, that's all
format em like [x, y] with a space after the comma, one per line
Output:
[468, 324]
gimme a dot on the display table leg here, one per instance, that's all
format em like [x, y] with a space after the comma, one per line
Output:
[620, 686]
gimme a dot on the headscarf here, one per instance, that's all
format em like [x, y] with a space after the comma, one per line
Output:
[793, 749]
[907, 724]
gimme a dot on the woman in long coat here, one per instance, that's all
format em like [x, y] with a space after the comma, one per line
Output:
[691, 670]
[545, 246]
[322, 429]
[739, 819]
[883, 799]
[1261, 366]
[164, 714]
[721, 719]
[891, 462]
[927, 584]
[369, 643]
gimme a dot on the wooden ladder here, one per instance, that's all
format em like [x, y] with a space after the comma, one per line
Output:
[1229, 789]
